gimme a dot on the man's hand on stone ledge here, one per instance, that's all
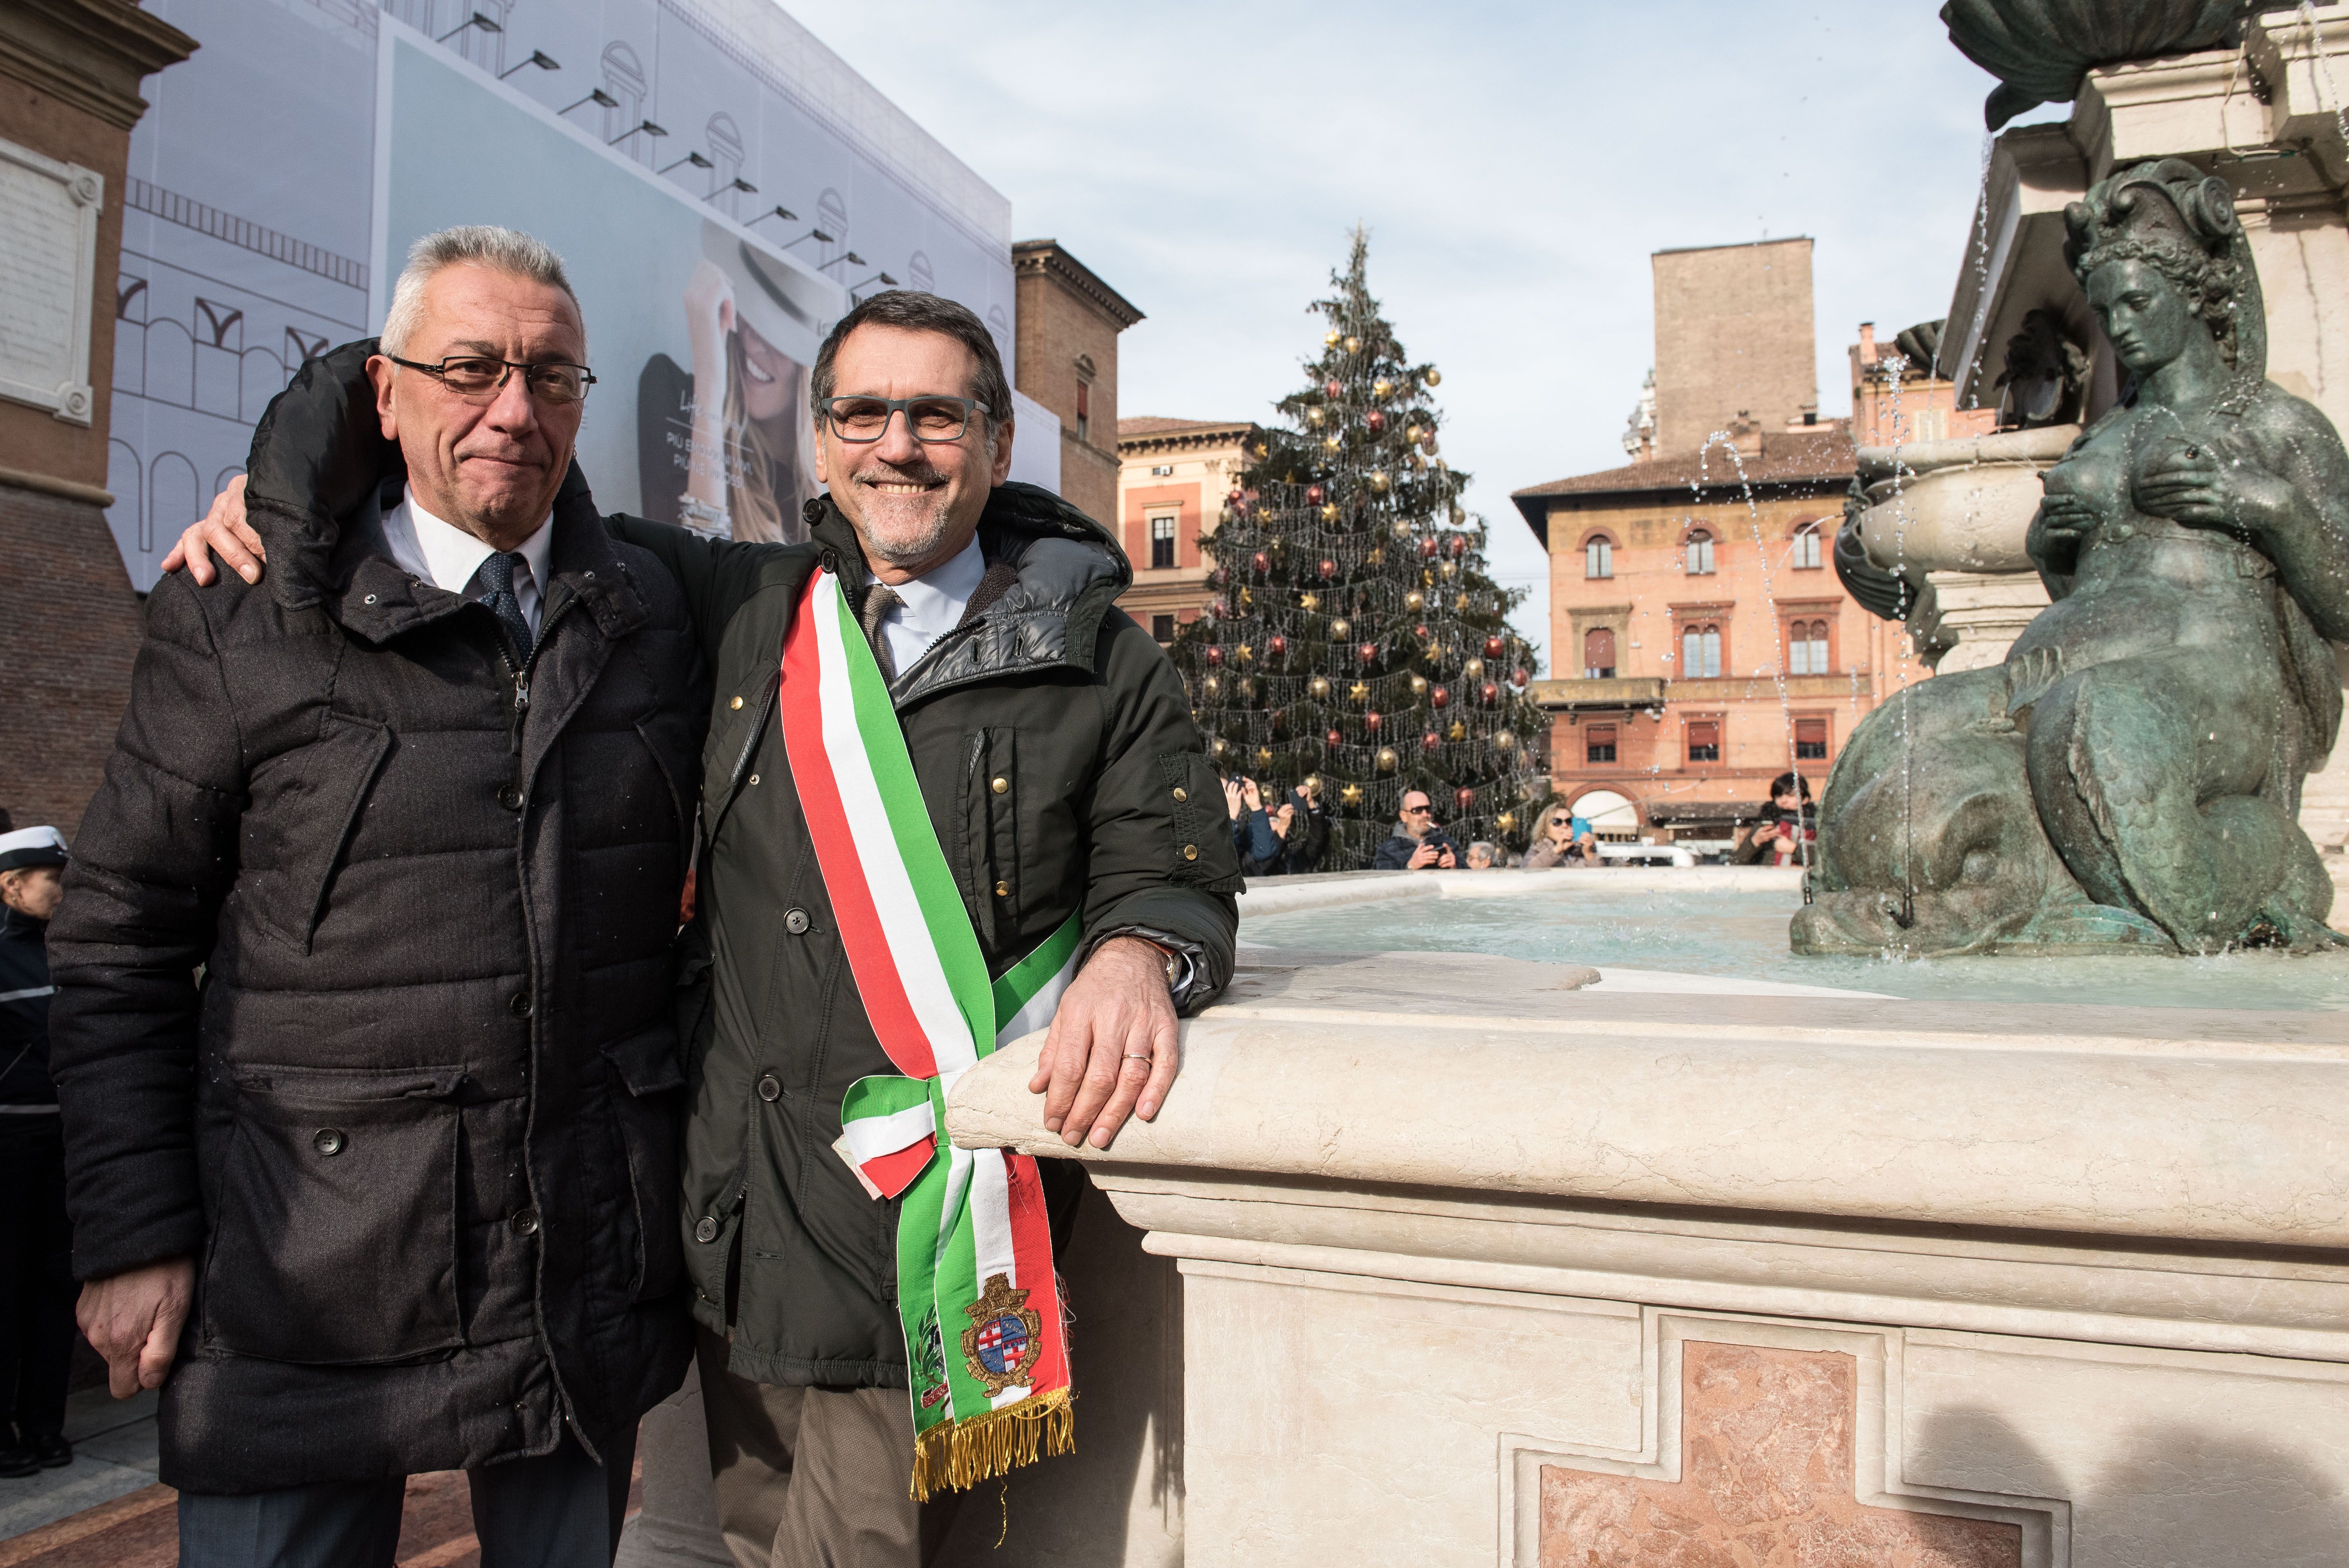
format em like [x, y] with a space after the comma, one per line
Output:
[1111, 1051]
[133, 1320]
[222, 531]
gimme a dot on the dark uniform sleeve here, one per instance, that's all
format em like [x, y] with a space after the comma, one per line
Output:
[1162, 861]
[155, 857]
[717, 574]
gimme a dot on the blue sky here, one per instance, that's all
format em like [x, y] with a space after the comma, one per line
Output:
[1515, 165]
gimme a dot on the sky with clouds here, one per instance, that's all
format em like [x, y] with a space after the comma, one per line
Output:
[1515, 165]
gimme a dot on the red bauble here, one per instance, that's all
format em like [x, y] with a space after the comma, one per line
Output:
[1489, 692]
[1260, 561]
[1440, 696]
[1494, 647]
[1335, 740]
[1430, 741]
[1427, 548]
[1376, 419]
[1421, 632]
[1368, 652]
[1313, 494]
[1326, 567]
[1518, 677]
[1465, 797]
[1237, 493]
[1215, 655]
[1459, 546]
[1221, 609]
[1332, 389]
[1372, 721]
[1278, 645]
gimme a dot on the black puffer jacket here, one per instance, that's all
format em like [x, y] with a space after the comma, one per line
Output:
[419, 1126]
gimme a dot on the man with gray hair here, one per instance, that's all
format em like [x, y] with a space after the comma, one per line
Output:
[393, 1187]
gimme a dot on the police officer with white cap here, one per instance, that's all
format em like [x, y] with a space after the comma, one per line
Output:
[36, 1283]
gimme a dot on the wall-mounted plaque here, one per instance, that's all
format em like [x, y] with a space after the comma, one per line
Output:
[48, 257]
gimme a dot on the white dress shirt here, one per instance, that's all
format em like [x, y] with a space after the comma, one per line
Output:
[931, 605]
[446, 556]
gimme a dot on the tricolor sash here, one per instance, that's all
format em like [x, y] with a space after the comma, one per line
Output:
[976, 1293]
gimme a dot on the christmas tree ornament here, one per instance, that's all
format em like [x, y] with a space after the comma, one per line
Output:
[1221, 609]
[1243, 688]
[1263, 450]
[1431, 742]
[1449, 569]
[1309, 600]
[1236, 496]
[1401, 527]
[1434, 377]
[1418, 464]
[1215, 655]
[1379, 480]
[1318, 689]
[1377, 557]
[1459, 602]
[1474, 669]
[1314, 493]
[1331, 389]
[1382, 388]
[1517, 678]
[1261, 561]
[1263, 757]
[1440, 696]
[1311, 782]
[1353, 793]
[1372, 721]
[1327, 566]
[1335, 740]
[1506, 821]
[1376, 421]
[1219, 576]
[1458, 546]
[1219, 746]
[1342, 628]
[1424, 634]
[1386, 759]
[1503, 739]
[1213, 686]
[1489, 693]
[1494, 647]
[1330, 338]
[1245, 651]
[1354, 344]
[1367, 652]
[1279, 647]
[1330, 442]
[1414, 601]
[1411, 433]
[1427, 549]
[1330, 511]
[1464, 797]
[1314, 416]
[1458, 731]
[1418, 685]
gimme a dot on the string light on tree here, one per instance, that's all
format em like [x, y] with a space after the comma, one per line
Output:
[1358, 650]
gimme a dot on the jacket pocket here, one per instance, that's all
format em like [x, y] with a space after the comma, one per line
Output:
[336, 1238]
[647, 1115]
[991, 830]
[304, 809]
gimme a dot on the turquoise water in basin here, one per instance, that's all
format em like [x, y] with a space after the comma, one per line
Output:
[1742, 935]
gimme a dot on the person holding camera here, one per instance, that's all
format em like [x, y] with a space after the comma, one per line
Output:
[1417, 844]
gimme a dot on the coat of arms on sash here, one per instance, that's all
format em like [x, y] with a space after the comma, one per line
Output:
[1002, 1338]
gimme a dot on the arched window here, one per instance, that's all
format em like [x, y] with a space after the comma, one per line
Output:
[1700, 653]
[1807, 546]
[1698, 553]
[1598, 557]
[1598, 654]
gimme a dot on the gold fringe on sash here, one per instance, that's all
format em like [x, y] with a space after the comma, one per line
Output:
[959, 1454]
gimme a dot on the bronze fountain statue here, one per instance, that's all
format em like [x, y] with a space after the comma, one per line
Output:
[2129, 778]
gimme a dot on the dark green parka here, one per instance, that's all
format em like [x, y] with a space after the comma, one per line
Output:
[1062, 771]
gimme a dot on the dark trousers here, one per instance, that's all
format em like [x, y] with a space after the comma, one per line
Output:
[36, 1283]
[563, 1510]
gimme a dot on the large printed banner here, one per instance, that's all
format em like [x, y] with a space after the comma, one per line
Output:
[284, 170]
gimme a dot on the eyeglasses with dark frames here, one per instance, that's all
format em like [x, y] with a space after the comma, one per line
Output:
[478, 378]
[933, 418]
[1418, 810]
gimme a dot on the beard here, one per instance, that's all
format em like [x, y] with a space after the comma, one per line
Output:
[905, 531]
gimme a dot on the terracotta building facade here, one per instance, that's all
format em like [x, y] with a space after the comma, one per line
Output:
[1068, 320]
[1700, 641]
[70, 73]
[1173, 477]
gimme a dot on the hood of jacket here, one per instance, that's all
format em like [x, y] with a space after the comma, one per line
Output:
[1066, 570]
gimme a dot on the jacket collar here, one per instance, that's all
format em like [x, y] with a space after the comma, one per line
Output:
[1068, 570]
[15, 925]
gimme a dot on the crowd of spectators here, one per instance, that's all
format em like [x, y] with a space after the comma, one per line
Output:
[1286, 840]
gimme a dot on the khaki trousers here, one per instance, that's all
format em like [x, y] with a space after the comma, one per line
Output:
[815, 1478]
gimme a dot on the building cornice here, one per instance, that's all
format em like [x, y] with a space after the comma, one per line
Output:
[88, 54]
[1045, 258]
[1185, 440]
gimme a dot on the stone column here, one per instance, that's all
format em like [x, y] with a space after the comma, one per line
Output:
[69, 76]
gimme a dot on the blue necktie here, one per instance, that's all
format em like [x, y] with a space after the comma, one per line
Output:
[497, 576]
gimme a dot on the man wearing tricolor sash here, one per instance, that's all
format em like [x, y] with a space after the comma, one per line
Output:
[950, 795]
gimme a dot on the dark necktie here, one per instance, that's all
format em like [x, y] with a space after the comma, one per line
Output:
[879, 600]
[498, 576]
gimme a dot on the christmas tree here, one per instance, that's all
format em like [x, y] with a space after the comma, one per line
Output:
[1356, 637]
